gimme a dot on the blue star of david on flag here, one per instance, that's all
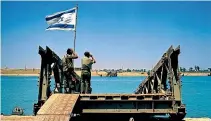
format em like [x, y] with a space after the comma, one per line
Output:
[64, 20]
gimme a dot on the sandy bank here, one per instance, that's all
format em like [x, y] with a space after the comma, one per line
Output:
[197, 119]
[35, 72]
[31, 118]
[195, 74]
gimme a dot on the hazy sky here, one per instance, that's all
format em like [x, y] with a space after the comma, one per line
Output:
[118, 34]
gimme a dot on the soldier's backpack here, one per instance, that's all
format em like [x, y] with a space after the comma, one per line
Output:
[66, 65]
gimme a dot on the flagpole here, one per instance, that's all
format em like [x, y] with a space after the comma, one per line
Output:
[75, 31]
[75, 26]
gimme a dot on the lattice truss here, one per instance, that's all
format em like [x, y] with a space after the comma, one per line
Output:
[164, 76]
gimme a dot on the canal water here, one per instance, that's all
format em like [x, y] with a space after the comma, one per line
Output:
[23, 91]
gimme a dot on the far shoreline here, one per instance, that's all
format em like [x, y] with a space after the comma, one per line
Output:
[126, 74]
[35, 72]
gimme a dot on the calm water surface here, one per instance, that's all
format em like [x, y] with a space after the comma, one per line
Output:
[23, 92]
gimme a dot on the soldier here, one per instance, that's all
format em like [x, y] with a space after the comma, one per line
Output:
[68, 69]
[87, 62]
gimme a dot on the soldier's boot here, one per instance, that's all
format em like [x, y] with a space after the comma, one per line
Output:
[72, 92]
[72, 88]
[67, 90]
[66, 85]
[82, 87]
[77, 86]
[87, 87]
[90, 90]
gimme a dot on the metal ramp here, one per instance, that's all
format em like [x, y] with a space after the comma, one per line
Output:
[58, 107]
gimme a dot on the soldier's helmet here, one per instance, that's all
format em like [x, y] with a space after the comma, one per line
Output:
[69, 51]
[87, 54]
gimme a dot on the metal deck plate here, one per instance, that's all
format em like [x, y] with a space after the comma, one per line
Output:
[59, 104]
[57, 108]
[52, 118]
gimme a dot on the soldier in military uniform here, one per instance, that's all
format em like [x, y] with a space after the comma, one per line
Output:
[87, 62]
[71, 78]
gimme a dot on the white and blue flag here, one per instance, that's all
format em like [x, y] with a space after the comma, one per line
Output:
[64, 20]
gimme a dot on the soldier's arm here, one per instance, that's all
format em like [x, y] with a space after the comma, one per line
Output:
[73, 56]
[93, 59]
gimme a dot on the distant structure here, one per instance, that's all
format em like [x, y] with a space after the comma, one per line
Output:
[98, 74]
[25, 68]
[197, 68]
[111, 74]
[209, 69]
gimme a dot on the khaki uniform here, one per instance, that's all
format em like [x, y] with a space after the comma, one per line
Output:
[86, 75]
[72, 80]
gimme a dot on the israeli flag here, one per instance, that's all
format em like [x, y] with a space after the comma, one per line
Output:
[64, 20]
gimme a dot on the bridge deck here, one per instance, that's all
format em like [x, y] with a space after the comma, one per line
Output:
[122, 97]
[59, 107]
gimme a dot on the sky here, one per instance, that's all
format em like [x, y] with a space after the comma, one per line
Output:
[118, 34]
